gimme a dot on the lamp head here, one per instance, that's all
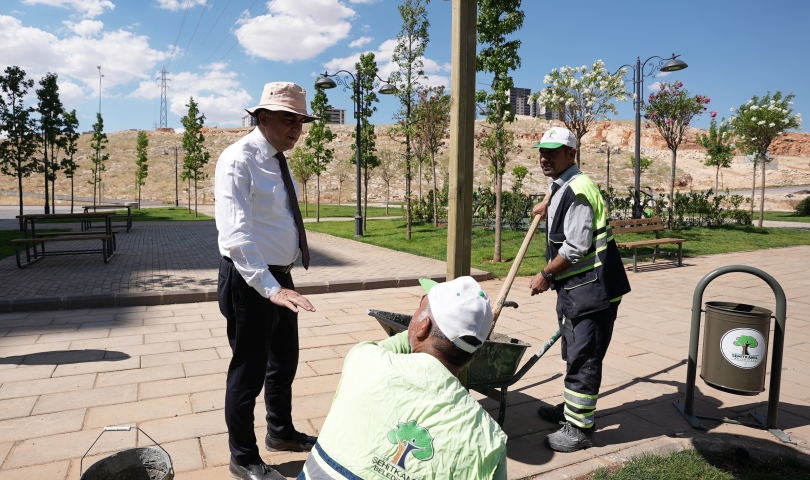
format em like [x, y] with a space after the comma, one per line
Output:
[673, 65]
[388, 89]
[325, 83]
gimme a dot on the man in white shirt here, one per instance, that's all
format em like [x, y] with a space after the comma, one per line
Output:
[260, 235]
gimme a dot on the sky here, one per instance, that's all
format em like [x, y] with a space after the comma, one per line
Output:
[222, 52]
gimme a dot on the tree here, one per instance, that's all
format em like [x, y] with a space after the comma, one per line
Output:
[643, 165]
[746, 341]
[757, 123]
[141, 169]
[719, 147]
[387, 171]
[320, 135]
[50, 123]
[581, 101]
[410, 438]
[196, 155]
[366, 75]
[71, 140]
[409, 53]
[98, 142]
[301, 166]
[671, 109]
[18, 127]
[432, 119]
[498, 56]
[342, 171]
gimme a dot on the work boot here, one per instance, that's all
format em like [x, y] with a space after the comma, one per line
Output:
[297, 442]
[570, 438]
[258, 471]
[551, 413]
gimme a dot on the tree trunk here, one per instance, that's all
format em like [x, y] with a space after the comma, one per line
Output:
[717, 180]
[139, 196]
[754, 186]
[387, 195]
[496, 255]
[420, 183]
[671, 185]
[340, 187]
[762, 196]
[53, 193]
[435, 192]
[306, 200]
[45, 169]
[188, 195]
[365, 199]
[71, 194]
[195, 194]
[318, 198]
[19, 183]
[408, 206]
[578, 145]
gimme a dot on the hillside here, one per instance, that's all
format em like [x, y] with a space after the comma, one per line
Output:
[792, 166]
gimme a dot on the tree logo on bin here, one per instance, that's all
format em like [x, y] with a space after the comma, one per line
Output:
[743, 347]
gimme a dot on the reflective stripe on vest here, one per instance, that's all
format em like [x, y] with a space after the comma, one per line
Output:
[602, 233]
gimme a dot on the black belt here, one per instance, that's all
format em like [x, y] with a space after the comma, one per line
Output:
[272, 268]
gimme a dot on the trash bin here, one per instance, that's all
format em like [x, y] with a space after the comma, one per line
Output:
[735, 347]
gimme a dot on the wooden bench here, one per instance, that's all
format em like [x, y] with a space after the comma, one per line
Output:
[107, 246]
[646, 225]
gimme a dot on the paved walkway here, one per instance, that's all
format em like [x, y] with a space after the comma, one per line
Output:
[181, 257]
[66, 374]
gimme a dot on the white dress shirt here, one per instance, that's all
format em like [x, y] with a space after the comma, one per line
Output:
[254, 219]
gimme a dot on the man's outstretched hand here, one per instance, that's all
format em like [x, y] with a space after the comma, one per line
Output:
[292, 300]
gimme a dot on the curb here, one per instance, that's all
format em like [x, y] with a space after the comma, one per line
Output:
[107, 300]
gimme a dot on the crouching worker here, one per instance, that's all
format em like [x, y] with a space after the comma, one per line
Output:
[400, 412]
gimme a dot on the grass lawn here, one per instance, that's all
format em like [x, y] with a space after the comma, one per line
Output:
[346, 210]
[7, 249]
[689, 465]
[148, 215]
[783, 217]
[431, 242]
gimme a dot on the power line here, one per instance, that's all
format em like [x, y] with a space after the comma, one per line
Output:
[248, 30]
[211, 29]
[177, 40]
[205, 7]
[226, 36]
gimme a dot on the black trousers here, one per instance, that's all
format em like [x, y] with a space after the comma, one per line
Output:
[264, 341]
[585, 341]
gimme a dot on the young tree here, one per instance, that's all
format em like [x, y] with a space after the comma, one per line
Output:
[302, 167]
[367, 72]
[196, 155]
[581, 101]
[141, 168]
[757, 123]
[409, 53]
[70, 146]
[342, 171]
[719, 147]
[389, 168]
[671, 109]
[320, 135]
[50, 125]
[498, 56]
[432, 119]
[98, 142]
[18, 127]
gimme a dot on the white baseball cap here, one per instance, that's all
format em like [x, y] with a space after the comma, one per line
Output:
[556, 137]
[460, 309]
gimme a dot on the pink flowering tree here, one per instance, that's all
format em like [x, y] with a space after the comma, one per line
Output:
[671, 110]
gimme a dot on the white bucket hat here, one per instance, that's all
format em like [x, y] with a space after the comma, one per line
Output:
[285, 97]
[556, 137]
[460, 309]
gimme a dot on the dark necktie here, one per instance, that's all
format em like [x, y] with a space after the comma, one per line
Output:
[299, 221]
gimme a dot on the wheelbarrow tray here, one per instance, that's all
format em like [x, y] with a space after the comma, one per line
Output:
[493, 366]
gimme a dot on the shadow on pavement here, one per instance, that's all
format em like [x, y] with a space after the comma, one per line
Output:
[65, 357]
[290, 469]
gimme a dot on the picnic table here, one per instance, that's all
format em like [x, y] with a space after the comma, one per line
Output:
[34, 243]
[88, 224]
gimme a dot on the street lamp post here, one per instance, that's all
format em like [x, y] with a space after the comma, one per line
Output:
[326, 82]
[640, 71]
[176, 187]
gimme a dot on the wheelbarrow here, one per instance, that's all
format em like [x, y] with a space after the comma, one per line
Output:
[494, 366]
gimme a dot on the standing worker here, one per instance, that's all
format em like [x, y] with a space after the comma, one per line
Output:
[260, 234]
[586, 270]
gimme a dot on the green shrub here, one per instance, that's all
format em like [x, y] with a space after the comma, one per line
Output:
[803, 208]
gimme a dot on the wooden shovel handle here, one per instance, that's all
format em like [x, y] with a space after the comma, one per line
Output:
[507, 284]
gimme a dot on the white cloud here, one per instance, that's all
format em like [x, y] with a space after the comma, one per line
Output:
[217, 91]
[435, 72]
[654, 87]
[123, 56]
[295, 29]
[663, 74]
[360, 42]
[175, 5]
[72, 95]
[363, 1]
[83, 8]
[85, 28]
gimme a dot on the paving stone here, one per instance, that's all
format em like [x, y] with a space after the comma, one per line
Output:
[186, 455]
[527, 456]
[204, 342]
[165, 388]
[319, 353]
[136, 412]
[184, 427]
[314, 385]
[205, 324]
[140, 375]
[26, 372]
[210, 400]
[176, 336]
[327, 367]
[41, 425]
[193, 319]
[16, 408]
[49, 470]
[215, 473]
[145, 330]
[179, 357]
[21, 350]
[77, 335]
[4, 449]
[106, 343]
[66, 446]
[57, 402]
[206, 367]
[46, 385]
[326, 341]
[140, 350]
